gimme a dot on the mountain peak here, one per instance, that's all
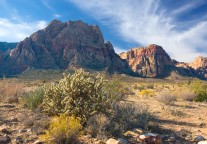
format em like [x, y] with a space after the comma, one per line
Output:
[62, 45]
[150, 61]
[199, 62]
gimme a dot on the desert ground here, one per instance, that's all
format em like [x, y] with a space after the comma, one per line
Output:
[173, 114]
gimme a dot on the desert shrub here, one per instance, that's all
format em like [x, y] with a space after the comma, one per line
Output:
[96, 126]
[150, 86]
[166, 97]
[139, 87]
[62, 130]
[147, 92]
[187, 95]
[33, 99]
[127, 91]
[201, 96]
[80, 94]
[200, 89]
[10, 90]
[175, 111]
[126, 117]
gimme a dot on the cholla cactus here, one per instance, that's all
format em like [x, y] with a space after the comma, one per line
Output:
[80, 94]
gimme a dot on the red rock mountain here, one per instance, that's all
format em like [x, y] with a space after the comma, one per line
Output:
[62, 45]
[200, 66]
[77, 44]
[151, 61]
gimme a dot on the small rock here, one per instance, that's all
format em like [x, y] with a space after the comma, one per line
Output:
[38, 142]
[29, 130]
[19, 140]
[150, 138]
[3, 139]
[199, 138]
[122, 141]
[22, 130]
[172, 139]
[7, 106]
[183, 132]
[202, 142]
[13, 120]
[88, 136]
[4, 129]
[100, 142]
[201, 125]
[114, 141]
[130, 134]
[137, 130]
[188, 137]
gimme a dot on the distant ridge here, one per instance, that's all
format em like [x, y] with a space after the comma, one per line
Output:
[4, 46]
[153, 61]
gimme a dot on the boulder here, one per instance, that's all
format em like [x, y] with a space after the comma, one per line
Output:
[202, 142]
[150, 138]
[199, 138]
[114, 141]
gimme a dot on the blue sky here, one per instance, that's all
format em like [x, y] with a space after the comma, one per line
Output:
[179, 26]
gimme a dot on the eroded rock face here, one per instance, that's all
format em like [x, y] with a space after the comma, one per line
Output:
[184, 69]
[151, 61]
[61, 45]
[200, 67]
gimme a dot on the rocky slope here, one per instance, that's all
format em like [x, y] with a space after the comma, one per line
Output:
[151, 61]
[4, 46]
[62, 45]
[4, 53]
[200, 67]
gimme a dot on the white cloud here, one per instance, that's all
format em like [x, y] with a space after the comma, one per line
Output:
[146, 22]
[47, 4]
[16, 31]
[118, 50]
[57, 15]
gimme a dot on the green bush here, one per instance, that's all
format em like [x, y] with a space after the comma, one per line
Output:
[201, 96]
[33, 99]
[80, 94]
[200, 89]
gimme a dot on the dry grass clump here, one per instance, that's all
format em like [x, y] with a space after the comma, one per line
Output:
[138, 87]
[126, 117]
[187, 95]
[150, 86]
[96, 126]
[175, 111]
[166, 98]
[10, 90]
[33, 99]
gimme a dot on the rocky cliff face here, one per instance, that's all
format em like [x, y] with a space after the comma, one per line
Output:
[61, 45]
[151, 61]
[5, 49]
[200, 67]
[4, 46]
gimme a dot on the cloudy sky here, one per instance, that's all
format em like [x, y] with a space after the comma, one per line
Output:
[179, 26]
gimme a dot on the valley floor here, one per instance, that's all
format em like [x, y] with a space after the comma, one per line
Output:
[183, 120]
